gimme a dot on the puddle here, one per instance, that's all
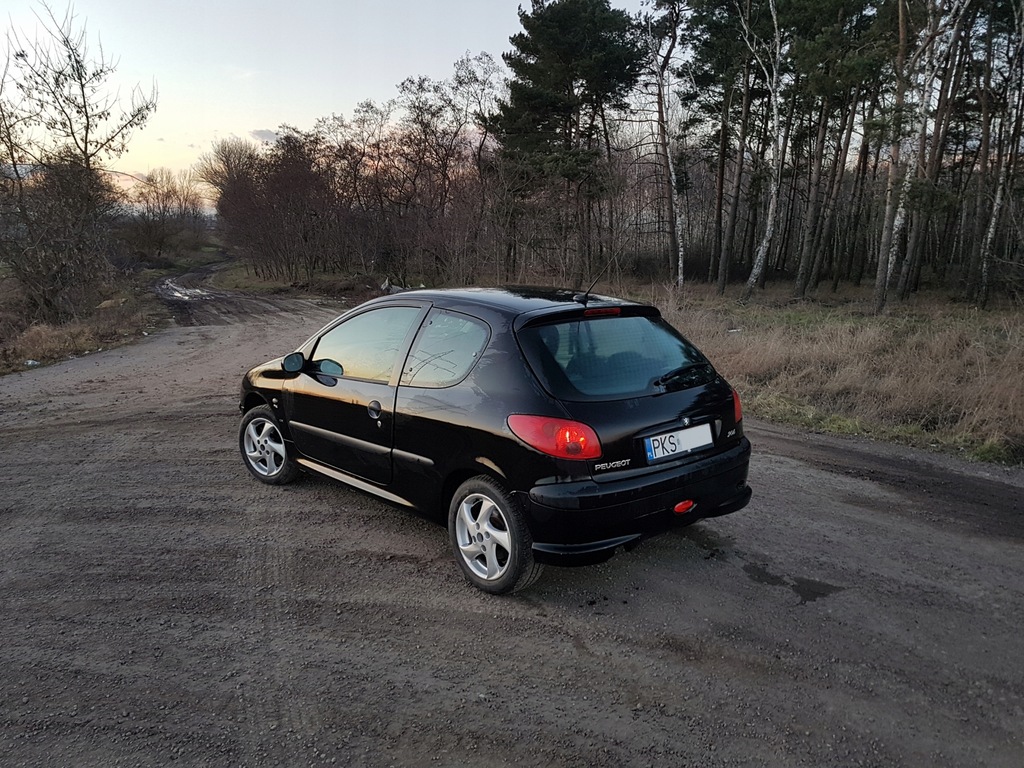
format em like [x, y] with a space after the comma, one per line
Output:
[169, 289]
[763, 576]
[808, 590]
[713, 544]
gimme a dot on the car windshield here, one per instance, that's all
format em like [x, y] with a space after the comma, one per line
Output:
[613, 357]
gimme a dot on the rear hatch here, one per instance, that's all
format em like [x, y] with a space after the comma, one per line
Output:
[652, 397]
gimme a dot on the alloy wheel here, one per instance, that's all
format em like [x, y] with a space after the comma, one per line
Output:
[264, 447]
[483, 536]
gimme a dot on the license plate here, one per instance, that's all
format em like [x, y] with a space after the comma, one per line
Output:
[677, 443]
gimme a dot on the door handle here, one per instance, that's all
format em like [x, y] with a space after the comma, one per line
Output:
[374, 409]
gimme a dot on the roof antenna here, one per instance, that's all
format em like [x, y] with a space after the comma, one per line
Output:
[583, 298]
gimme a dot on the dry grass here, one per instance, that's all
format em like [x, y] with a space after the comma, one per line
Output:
[130, 312]
[118, 322]
[929, 373]
[238, 276]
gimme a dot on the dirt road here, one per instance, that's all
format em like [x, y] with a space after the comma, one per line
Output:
[159, 606]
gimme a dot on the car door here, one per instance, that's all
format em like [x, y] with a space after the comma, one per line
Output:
[432, 413]
[342, 407]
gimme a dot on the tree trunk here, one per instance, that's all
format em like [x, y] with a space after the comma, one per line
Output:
[1009, 148]
[893, 185]
[824, 233]
[674, 235]
[811, 223]
[772, 70]
[723, 145]
[725, 257]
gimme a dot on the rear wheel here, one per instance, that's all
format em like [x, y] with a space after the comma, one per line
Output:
[263, 448]
[490, 539]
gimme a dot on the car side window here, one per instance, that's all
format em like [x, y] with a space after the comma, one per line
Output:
[444, 352]
[368, 345]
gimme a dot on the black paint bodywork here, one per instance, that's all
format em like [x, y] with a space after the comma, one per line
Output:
[420, 444]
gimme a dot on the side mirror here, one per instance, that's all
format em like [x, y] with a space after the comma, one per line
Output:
[294, 362]
[331, 368]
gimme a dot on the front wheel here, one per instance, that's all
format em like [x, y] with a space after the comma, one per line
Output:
[490, 538]
[263, 448]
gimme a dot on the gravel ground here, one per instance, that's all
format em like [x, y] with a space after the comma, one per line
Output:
[159, 606]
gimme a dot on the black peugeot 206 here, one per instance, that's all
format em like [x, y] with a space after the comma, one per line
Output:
[553, 426]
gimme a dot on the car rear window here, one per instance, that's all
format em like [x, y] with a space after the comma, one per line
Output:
[613, 357]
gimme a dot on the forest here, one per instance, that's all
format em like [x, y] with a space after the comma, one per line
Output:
[805, 142]
[811, 144]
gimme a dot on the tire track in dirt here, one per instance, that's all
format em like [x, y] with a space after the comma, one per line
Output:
[986, 499]
[193, 302]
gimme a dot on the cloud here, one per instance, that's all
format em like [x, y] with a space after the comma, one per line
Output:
[264, 135]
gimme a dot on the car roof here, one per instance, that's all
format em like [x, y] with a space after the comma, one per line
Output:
[515, 300]
[518, 305]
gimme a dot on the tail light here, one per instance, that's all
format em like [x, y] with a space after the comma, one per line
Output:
[561, 438]
[737, 408]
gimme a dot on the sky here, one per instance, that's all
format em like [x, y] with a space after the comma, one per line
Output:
[224, 68]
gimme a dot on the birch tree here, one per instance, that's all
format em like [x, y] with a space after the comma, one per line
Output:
[932, 53]
[662, 40]
[1011, 125]
[769, 56]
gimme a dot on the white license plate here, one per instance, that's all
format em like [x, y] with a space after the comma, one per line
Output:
[677, 443]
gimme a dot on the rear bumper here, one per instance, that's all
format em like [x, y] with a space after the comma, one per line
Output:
[586, 522]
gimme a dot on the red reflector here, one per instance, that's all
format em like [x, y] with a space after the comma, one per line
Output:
[602, 312]
[683, 507]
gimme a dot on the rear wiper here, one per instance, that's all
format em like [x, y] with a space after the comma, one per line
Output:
[675, 373]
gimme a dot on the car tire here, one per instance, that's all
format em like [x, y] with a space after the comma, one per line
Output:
[263, 448]
[490, 539]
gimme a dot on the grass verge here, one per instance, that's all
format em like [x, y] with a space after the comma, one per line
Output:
[117, 321]
[930, 373]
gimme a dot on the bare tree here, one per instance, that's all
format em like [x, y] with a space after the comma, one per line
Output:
[65, 94]
[167, 207]
[228, 165]
[59, 122]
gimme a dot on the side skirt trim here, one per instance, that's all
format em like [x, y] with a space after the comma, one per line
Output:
[362, 485]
